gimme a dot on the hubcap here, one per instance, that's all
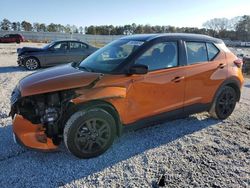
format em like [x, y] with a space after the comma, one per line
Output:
[31, 64]
[92, 135]
[226, 103]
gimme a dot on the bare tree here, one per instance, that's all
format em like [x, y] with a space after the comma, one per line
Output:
[217, 24]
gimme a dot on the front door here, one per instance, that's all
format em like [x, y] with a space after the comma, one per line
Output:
[162, 88]
[77, 52]
[57, 54]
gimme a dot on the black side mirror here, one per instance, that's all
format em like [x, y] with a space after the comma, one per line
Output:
[138, 69]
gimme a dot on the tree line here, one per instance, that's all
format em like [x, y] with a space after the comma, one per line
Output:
[7, 25]
[237, 28]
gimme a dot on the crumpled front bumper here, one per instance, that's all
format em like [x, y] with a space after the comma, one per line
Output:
[20, 60]
[31, 135]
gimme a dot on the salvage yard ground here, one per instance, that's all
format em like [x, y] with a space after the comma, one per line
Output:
[196, 151]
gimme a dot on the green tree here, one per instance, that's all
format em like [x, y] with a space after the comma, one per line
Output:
[52, 27]
[243, 28]
[26, 26]
[14, 26]
[5, 24]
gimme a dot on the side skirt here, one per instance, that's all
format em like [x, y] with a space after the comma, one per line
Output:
[166, 116]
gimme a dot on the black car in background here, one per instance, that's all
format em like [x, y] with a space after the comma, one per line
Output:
[55, 53]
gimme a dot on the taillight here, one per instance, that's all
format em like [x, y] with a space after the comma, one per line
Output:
[238, 63]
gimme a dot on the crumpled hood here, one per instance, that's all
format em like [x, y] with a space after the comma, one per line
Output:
[55, 79]
[20, 51]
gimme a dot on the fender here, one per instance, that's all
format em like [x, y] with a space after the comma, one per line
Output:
[233, 82]
[99, 93]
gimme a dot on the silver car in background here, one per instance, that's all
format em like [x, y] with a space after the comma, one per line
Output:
[55, 53]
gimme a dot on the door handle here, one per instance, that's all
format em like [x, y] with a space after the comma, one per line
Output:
[221, 65]
[177, 79]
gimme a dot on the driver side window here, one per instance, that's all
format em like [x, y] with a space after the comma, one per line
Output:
[62, 46]
[160, 56]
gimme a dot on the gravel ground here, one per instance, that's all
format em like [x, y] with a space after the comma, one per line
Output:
[194, 152]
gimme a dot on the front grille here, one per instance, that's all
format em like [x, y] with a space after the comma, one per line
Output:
[15, 96]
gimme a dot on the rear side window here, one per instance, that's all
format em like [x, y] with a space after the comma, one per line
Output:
[196, 52]
[77, 46]
[212, 51]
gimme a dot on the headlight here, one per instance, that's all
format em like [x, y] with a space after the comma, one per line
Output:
[15, 96]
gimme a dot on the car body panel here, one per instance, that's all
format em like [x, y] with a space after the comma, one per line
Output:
[205, 76]
[99, 93]
[64, 77]
[31, 135]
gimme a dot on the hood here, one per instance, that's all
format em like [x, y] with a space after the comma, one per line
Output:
[28, 49]
[56, 79]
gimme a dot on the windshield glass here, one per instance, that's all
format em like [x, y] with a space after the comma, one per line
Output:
[48, 45]
[111, 56]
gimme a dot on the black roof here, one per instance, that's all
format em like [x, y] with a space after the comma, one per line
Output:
[184, 36]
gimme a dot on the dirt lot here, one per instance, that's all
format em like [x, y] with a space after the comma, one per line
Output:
[194, 152]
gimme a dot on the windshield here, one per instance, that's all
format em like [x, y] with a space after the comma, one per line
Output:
[111, 56]
[48, 45]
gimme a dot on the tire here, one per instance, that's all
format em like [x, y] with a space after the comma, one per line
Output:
[224, 103]
[18, 41]
[89, 133]
[31, 63]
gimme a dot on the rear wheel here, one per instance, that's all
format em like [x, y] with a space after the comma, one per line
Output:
[224, 103]
[31, 63]
[89, 133]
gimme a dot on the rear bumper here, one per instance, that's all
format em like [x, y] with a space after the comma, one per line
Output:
[31, 135]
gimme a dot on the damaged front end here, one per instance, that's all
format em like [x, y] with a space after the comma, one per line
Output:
[38, 119]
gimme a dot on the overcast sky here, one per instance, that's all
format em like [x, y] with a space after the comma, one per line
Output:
[191, 13]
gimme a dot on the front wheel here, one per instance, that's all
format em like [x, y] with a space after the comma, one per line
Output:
[89, 133]
[224, 103]
[31, 63]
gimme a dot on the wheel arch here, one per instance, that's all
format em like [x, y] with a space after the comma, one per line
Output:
[100, 104]
[233, 82]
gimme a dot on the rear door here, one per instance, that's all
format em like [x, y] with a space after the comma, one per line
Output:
[77, 51]
[205, 71]
[57, 54]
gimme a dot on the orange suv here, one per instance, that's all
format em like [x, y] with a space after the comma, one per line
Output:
[133, 82]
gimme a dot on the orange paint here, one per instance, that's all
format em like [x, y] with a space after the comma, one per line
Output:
[31, 135]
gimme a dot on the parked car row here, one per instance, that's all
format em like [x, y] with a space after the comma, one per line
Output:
[55, 53]
[12, 38]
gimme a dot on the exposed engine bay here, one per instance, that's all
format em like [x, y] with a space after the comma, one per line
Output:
[47, 109]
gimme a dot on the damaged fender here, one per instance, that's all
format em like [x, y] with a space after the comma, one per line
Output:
[99, 93]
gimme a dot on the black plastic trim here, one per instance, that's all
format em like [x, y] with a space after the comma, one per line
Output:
[167, 116]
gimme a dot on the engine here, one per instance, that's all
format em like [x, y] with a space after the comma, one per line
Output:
[46, 109]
